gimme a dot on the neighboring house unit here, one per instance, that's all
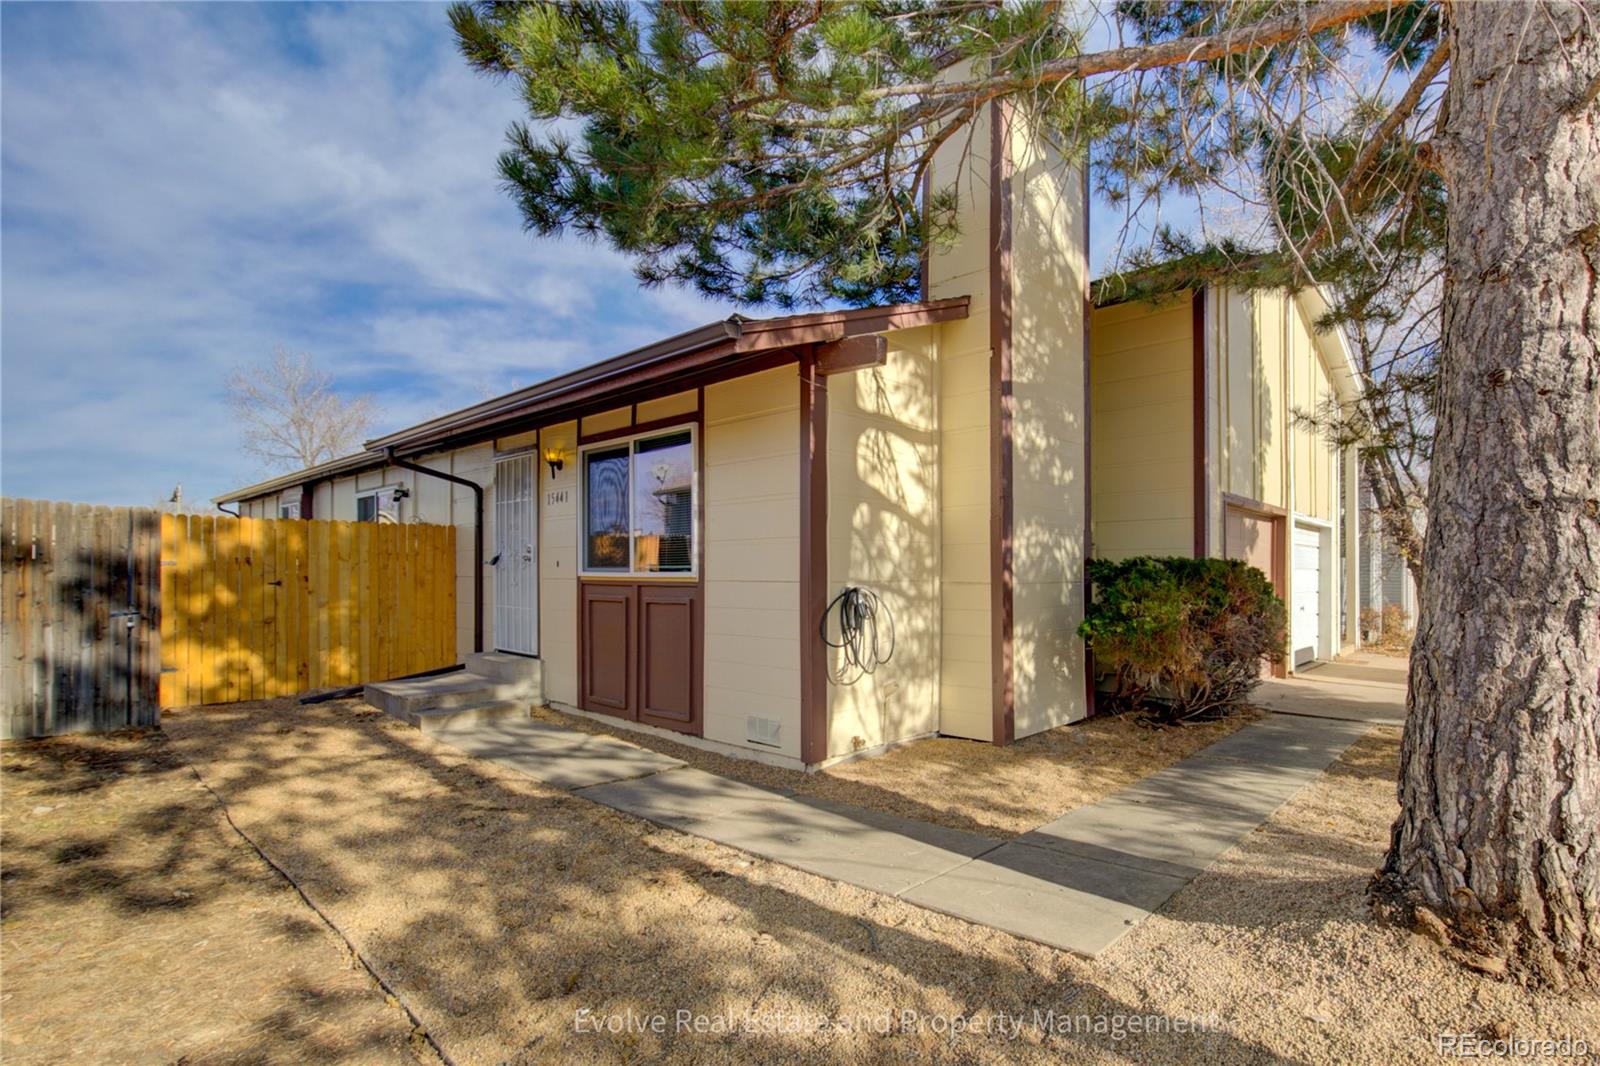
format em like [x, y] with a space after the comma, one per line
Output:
[1386, 581]
[666, 529]
[1197, 451]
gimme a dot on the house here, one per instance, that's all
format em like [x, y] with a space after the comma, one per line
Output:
[1197, 449]
[666, 531]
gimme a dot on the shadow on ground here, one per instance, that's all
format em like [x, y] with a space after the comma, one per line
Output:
[139, 928]
[512, 915]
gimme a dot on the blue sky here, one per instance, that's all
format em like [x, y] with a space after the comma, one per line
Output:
[186, 186]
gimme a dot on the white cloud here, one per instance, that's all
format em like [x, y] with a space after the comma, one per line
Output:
[185, 187]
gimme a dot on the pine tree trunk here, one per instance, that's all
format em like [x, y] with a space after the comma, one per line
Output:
[1500, 767]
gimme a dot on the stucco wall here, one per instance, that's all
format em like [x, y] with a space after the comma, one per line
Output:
[1142, 428]
[883, 534]
[751, 481]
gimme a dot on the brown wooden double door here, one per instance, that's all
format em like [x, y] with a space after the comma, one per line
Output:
[639, 652]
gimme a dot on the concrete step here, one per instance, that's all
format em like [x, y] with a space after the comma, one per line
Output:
[504, 666]
[461, 689]
[451, 720]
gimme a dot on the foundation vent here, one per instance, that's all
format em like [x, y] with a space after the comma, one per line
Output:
[763, 731]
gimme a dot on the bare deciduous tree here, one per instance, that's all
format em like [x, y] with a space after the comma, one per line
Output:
[289, 414]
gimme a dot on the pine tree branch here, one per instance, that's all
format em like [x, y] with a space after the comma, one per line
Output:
[1397, 115]
[1296, 23]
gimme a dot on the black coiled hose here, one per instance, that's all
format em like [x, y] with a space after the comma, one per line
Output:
[863, 646]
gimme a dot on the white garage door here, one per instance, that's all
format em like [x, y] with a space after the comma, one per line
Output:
[1306, 625]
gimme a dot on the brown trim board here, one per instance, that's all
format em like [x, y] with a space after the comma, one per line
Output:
[852, 353]
[1202, 438]
[1001, 411]
[813, 560]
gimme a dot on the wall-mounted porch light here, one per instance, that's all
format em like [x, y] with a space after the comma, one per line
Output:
[555, 457]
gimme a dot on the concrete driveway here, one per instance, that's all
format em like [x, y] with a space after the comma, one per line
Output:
[1366, 687]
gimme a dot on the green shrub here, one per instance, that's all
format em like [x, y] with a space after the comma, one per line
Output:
[1186, 637]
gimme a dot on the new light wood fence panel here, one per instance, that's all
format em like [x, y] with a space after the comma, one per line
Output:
[260, 608]
[81, 604]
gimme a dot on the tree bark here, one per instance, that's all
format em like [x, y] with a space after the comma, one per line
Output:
[1500, 766]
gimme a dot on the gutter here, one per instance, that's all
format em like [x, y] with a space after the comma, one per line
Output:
[477, 538]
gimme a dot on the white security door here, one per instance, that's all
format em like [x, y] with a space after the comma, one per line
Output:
[1307, 623]
[516, 545]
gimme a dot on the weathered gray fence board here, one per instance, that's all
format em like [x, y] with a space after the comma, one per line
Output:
[81, 616]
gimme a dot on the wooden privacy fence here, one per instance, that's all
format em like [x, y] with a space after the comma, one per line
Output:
[80, 587]
[258, 608]
[111, 613]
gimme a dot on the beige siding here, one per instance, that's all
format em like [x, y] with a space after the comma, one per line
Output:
[1267, 366]
[1141, 370]
[751, 482]
[682, 403]
[883, 534]
[606, 421]
[558, 566]
[1272, 473]
[966, 680]
[1049, 482]
[1249, 415]
[1314, 455]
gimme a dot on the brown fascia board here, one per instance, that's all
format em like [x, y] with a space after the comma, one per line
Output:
[489, 410]
[726, 343]
[354, 463]
[733, 341]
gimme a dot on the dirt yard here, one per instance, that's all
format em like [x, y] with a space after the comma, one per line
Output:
[517, 920]
[963, 784]
[138, 926]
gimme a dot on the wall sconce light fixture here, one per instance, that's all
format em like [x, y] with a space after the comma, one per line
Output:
[555, 457]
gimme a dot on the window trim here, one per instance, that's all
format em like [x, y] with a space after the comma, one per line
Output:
[362, 494]
[612, 443]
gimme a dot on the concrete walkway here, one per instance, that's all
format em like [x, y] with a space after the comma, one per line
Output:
[1367, 687]
[1078, 883]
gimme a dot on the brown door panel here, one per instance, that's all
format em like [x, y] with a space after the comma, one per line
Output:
[608, 645]
[669, 658]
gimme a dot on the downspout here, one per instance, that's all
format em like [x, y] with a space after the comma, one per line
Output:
[477, 535]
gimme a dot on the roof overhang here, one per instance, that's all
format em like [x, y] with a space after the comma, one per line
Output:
[716, 351]
[1331, 344]
[353, 463]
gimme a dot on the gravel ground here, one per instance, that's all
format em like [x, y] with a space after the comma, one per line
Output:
[512, 916]
[139, 928]
[965, 784]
